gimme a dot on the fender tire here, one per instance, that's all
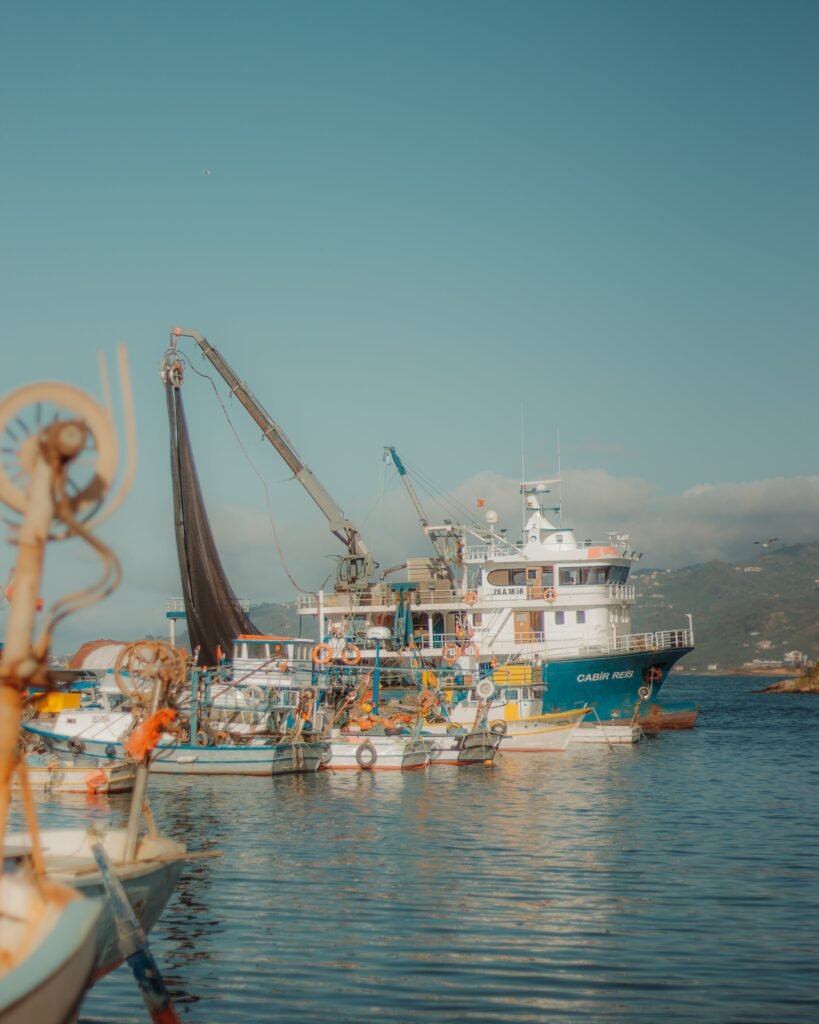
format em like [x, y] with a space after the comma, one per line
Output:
[366, 755]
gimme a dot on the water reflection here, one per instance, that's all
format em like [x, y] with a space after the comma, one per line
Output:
[673, 879]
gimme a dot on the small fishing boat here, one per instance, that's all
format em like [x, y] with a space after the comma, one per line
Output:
[149, 877]
[513, 713]
[50, 774]
[357, 751]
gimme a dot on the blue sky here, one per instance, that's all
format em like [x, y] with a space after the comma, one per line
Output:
[444, 226]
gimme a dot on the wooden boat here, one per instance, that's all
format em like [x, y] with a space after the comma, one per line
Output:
[50, 774]
[51, 933]
[149, 877]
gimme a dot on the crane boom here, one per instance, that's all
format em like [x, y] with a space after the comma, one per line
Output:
[440, 548]
[358, 564]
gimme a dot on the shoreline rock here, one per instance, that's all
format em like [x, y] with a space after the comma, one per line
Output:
[797, 684]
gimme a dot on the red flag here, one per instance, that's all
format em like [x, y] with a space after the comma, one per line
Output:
[481, 503]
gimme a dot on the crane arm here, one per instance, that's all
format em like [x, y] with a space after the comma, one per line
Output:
[339, 525]
[440, 548]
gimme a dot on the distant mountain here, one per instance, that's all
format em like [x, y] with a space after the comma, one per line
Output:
[750, 611]
[276, 619]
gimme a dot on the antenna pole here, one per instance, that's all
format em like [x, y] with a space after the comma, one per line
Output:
[522, 470]
[559, 479]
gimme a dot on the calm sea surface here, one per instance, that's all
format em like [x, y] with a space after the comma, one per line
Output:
[676, 881]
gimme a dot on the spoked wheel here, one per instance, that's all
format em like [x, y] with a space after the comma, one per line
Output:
[141, 664]
[57, 412]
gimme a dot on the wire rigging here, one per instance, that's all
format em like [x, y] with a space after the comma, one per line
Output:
[262, 480]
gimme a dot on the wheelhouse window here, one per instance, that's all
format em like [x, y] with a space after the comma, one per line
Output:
[507, 577]
[591, 575]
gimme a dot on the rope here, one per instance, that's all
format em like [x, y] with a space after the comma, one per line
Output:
[261, 480]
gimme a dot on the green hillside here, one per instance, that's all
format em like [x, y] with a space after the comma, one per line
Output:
[750, 611]
[276, 619]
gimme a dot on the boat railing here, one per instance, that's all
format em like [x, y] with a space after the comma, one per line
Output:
[348, 603]
[379, 597]
[662, 640]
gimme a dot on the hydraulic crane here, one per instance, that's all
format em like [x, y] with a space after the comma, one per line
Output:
[446, 557]
[357, 565]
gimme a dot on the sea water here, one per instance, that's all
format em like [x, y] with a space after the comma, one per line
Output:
[677, 880]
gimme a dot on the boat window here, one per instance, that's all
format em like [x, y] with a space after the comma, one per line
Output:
[560, 618]
[548, 575]
[242, 650]
[499, 578]
[581, 616]
[518, 577]
[587, 575]
[477, 619]
[512, 694]
[618, 574]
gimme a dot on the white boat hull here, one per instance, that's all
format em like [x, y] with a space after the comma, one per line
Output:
[47, 985]
[258, 757]
[599, 732]
[364, 752]
[55, 775]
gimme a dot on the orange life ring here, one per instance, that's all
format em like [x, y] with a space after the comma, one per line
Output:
[351, 655]
[451, 653]
[471, 651]
[471, 597]
[322, 654]
[549, 593]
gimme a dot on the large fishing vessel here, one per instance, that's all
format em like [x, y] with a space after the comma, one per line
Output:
[547, 610]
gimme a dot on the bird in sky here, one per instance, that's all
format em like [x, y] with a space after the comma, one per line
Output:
[206, 172]
[766, 543]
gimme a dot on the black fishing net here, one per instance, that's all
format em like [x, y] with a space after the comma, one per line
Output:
[215, 617]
